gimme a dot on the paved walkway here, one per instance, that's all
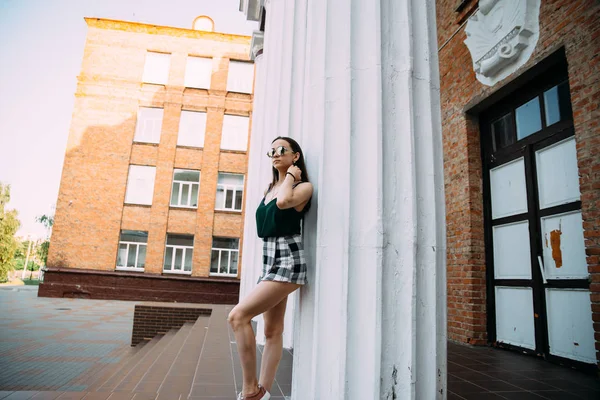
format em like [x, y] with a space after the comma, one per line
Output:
[56, 344]
[62, 344]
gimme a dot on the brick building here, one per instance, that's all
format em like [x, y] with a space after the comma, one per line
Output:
[152, 190]
[520, 94]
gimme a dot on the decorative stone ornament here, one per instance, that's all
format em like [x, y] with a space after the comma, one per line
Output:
[501, 37]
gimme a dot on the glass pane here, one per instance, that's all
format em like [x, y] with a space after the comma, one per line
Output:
[187, 175]
[178, 259]
[188, 260]
[234, 262]
[185, 193]
[528, 117]
[238, 200]
[168, 259]
[229, 199]
[134, 236]
[509, 189]
[180, 240]
[231, 179]
[224, 262]
[122, 255]
[194, 202]
[557, 104]
[225, 243]
[175, 194]
[131, 256]
[502, 132]
[141, 263]
[214, 261]
[191, 129]
[220, 202]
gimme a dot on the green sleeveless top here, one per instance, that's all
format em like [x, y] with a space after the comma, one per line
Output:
[271, 221]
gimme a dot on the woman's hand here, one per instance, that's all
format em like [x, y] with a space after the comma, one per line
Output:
[297, 172]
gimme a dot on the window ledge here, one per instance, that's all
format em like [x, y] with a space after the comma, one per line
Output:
[223, 275]
[138, 205]
[177, 272]
[181, 146]
[128, 269]
[196, 88]
[154, 84]
[226, 211]
[171, 207]
[151, 144]
[234, 151]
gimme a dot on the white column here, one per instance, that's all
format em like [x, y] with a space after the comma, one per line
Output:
[257, 174]
[356, 82]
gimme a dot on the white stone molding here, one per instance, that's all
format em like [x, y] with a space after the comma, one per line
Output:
[252, 9]
[257, 44]
[501, 37]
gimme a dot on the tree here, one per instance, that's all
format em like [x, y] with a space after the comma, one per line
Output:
[9, 224]
[42, 251]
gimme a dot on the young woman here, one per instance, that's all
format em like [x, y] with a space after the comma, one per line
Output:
[278, 220]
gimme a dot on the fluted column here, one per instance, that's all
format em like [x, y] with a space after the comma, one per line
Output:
[356, 83]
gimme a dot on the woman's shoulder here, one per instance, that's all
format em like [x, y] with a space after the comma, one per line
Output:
[305, 185]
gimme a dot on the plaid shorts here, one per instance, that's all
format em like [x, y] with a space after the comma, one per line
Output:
[283, 260]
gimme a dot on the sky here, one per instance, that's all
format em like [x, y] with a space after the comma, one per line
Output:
[41, 49]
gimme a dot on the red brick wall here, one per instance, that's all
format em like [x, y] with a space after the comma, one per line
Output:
[90, 208]
[574, 25]
[151, 319]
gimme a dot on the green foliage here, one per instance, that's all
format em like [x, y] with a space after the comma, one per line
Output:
[20, 262]
[44, 247]
[9, 224]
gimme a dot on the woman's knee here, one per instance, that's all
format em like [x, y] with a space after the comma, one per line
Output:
[273, 331]
[237, 318]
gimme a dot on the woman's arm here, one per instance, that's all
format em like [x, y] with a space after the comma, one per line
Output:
[290, 196]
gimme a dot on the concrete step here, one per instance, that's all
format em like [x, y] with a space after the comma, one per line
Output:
[154, 376]
[126, 363]
[181, 374]
[129, 377]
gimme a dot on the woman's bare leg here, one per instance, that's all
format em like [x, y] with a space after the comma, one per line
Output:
[265, 296]
[274, 320]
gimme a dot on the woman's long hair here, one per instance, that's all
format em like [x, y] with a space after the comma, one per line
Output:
[300, 164]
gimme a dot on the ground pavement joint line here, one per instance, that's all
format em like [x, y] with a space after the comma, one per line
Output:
[152, 378]
[190, 352]
[133, 374]
[125, 365]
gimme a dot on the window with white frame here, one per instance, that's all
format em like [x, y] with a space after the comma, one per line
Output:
[178, 254]
[230, 190]
[192, 127]
[140, 185]
[156, 69]
[224, 257]
[186, 184]
[132, 251]
[235, 132]
[240, 77]
[149, 125]
[198, 72]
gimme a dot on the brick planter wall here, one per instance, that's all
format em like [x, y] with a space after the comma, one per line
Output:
[154, 318]
[112, 285]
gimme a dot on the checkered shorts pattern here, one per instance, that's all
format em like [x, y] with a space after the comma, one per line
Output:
[283, 260]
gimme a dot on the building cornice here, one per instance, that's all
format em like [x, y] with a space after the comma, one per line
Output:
[137, 27]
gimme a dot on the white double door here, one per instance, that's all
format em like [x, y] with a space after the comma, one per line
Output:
[539, 290]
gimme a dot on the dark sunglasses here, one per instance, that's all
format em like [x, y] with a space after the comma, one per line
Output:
[281, 150]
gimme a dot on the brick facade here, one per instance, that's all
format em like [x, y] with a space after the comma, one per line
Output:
[573, 25]
[91, 209]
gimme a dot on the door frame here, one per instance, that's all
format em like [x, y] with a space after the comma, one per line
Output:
[526, 149]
